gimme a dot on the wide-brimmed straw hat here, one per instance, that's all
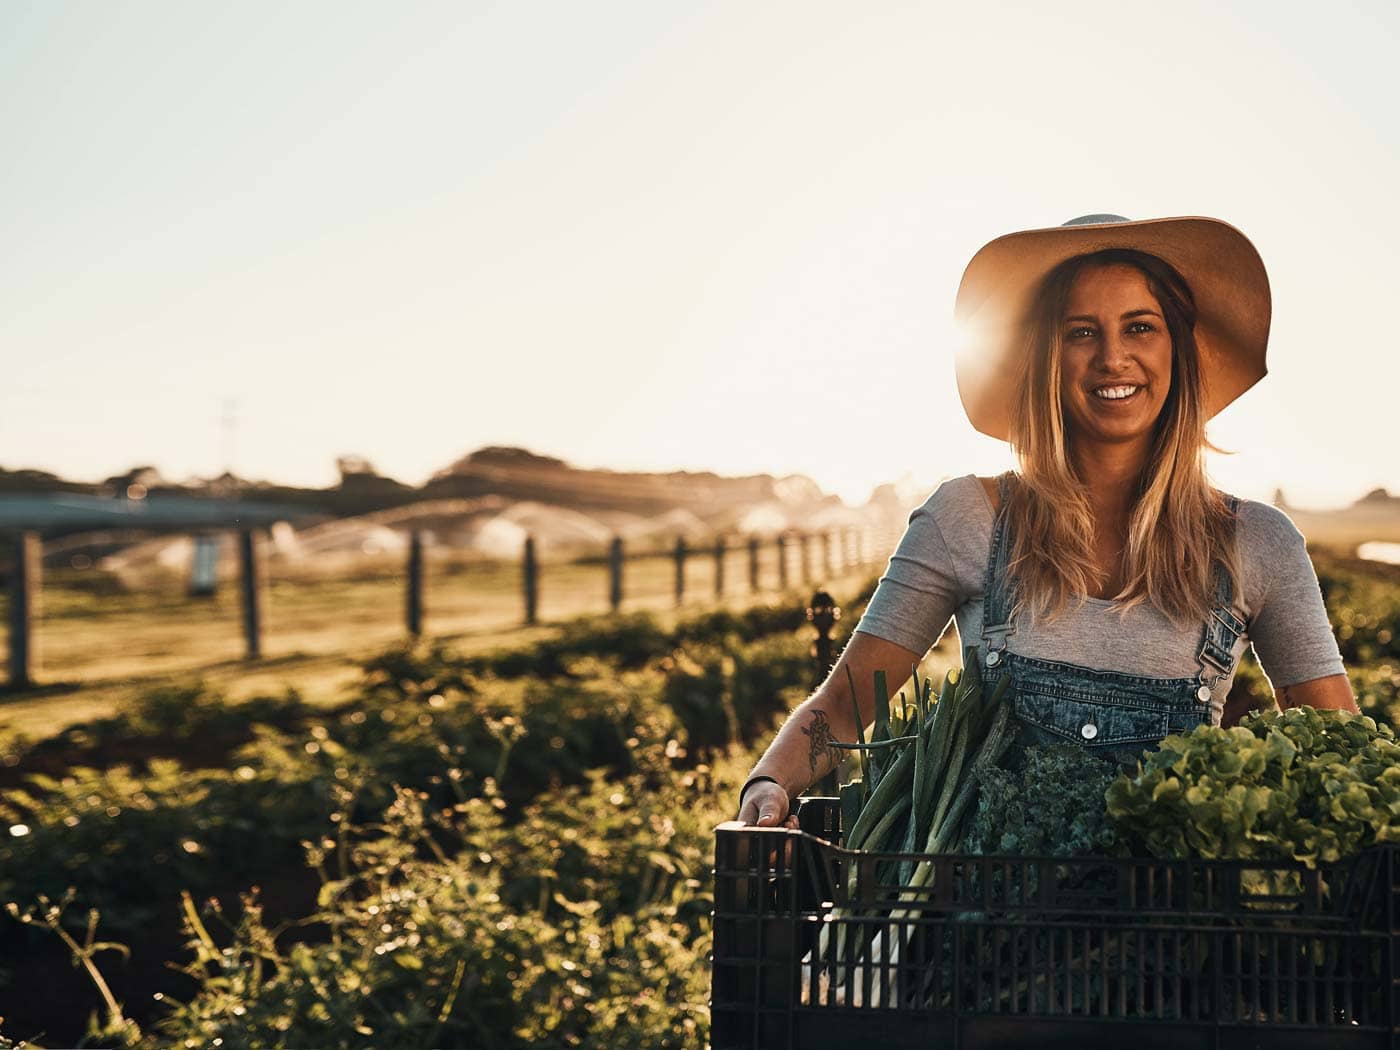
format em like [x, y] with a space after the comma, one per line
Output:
[1223, 269]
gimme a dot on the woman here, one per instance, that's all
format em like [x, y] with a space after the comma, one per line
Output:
[1107, 577]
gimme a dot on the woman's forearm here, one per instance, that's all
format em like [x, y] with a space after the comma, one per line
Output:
[1333, 692]
[801, 753]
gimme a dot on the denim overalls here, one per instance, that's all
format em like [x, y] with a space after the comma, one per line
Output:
[1116, 716]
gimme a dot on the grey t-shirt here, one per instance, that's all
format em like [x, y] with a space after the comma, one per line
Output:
[939, 568]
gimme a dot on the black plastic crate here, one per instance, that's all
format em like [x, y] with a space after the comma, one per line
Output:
[1044, 951]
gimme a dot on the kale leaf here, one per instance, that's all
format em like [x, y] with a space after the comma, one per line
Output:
[1053, 805]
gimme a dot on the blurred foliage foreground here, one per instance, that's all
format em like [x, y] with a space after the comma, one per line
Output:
[495, 852]
[501, 851]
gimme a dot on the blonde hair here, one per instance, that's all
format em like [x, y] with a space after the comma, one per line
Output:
[1180, 526]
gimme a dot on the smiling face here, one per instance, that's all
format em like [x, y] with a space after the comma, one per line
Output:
[1115, 357]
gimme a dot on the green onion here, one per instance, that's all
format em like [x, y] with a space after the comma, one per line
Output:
[860, 738]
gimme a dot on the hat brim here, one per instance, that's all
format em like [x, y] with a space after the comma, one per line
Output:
[1225, 272]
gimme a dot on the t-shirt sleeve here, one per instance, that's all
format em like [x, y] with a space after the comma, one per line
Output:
[920, 590]
[1288, 623]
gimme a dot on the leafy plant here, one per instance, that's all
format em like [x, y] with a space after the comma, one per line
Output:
[125, 842]
[190, 723]
[1304, 784]
[450, 928]
[1364, 608]
[113, 1027]
[1053, 806]
[1377, 689]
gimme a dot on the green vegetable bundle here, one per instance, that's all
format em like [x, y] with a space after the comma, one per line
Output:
[920, 770]
[1303, 784]
[921, 765]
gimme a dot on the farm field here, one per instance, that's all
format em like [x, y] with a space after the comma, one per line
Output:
[505, 848]
[587, 769]
[99, 646]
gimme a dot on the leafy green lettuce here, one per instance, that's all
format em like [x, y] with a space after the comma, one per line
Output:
[1306, 784]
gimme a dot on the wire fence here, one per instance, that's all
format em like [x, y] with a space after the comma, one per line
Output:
[81, 622]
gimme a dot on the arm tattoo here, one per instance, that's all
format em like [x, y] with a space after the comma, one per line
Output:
[820, 732]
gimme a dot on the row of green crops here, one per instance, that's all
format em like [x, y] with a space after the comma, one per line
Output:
[499, 851]
[1363, 602]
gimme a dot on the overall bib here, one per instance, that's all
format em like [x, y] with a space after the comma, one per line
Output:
[1116, 716]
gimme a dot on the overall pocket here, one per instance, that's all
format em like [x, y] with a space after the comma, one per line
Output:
[1088, 723]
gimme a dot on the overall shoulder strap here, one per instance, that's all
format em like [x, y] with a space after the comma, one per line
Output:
[1223, 628]
[998, 589]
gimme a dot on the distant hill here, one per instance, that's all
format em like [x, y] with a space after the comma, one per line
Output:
[489, 499]
[519, 474]
[29, 482]
[1375, 516]
[634, 504]
[514, 473]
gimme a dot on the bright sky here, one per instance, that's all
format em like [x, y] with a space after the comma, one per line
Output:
[654, 235]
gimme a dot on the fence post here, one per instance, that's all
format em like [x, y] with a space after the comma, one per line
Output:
[25, 583]
[719, 566]
[753, 564]
[415, 583]
[532, 581]
[827, 563]
[680, 569]
[782, 562]
[615, 573]
[806, 540]
[250, 570]
[822, 613]
[863, 546]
